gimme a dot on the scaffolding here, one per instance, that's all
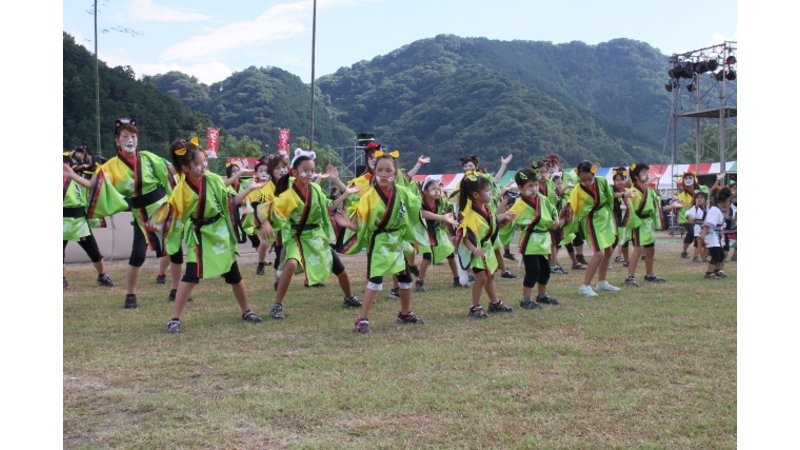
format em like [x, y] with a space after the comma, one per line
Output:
[708, 77]
[351, 159]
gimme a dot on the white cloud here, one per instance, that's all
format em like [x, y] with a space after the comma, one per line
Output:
[207, 73]
[278, 22]
[147, 10]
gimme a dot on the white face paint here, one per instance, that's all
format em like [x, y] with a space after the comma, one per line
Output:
[644, 176]
[281, 172]
[688, 181]
[371, 163]
[199, 169]
[434, 193]
[529, 192]
[129, 145]
[384, 178]
[264, 176]
[487, 197]
[468, 166]
[306, 175]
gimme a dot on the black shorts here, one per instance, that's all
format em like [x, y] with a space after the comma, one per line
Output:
[231, 277]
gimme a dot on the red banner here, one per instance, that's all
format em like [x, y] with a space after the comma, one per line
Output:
[213, 141]
[283, 142]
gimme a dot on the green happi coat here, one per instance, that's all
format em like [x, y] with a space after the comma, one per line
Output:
[592, 208]
[143, 178]
[645, 215]
[82, 207]
[438, 233]
[307, 233]
[480, 227]
[206, 209]
[387, 227]
[535, 217]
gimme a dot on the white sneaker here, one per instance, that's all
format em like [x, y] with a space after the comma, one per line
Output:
[605, 286]
[586, 291]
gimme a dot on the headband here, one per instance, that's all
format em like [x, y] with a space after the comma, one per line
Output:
[300, 152]
[395, 154]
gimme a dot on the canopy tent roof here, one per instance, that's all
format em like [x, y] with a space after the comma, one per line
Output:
[730, 111]
[668, 180]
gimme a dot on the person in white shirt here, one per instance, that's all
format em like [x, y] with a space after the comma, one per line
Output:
[711, 233]
[697, 215]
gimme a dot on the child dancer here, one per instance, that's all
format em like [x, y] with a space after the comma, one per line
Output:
[696, 215]
[476, 238]
[205, 205]
[263, 195]
[248, 228]
[536, 216]
[690, 189]
[144, 178]
[645, 215]
[276, 168]
[300, 210]
[711, 234]
[78, 209]
[591, 207]
[440, 247]
[385, 222]
[622, 206]
[575, 247]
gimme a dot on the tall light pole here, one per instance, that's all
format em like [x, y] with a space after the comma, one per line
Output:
[97, 82]
[313, 46]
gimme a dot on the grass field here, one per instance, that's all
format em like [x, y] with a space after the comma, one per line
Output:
[647, 368]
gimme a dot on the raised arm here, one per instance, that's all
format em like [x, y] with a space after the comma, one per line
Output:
[503, 165]
[239, 198]
[333, 173]
[421, 161]
[69, 173]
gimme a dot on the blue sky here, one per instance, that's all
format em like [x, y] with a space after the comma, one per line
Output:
[212, 39]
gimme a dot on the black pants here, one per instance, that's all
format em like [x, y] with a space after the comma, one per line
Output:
[537, 269]
[89, 245]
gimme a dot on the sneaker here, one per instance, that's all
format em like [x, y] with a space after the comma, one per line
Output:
[711, 276]
[696, 260]
[394, 293]
[471, 277]
[130, 301]
[684, 255]
[174, 326]
[605, 286]
[578, 266]
[102, 280]
[509, 275]
[260, 269]
[66, 285]
[410, 317]
[581, 260]
[499, 307]
[625, 264]
[172, 293]
[631, 281]
[509, 256]
[477, 312]
[414, 270]
[547, 300]
[618, 259]
[720, 274]
[586, 291]
[276, 311]
[527, 303]
[161, 279]
[250, 316]
[362, 326]
[352, 302]
[558, 270]
[654, 278]
[420, 285]
[457, 283]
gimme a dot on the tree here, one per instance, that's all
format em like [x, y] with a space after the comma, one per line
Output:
[709, 148]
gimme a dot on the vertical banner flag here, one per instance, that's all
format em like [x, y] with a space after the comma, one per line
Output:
[283, 142]
[213, 141]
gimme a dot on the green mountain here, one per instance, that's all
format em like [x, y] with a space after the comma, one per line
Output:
[161, 118]
[256, 102]
[449, 96]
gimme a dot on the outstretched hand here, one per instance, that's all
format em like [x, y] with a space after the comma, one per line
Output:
[422, 160]
[450, 219]
[332, 171]
[68, 170]
[507, 159]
